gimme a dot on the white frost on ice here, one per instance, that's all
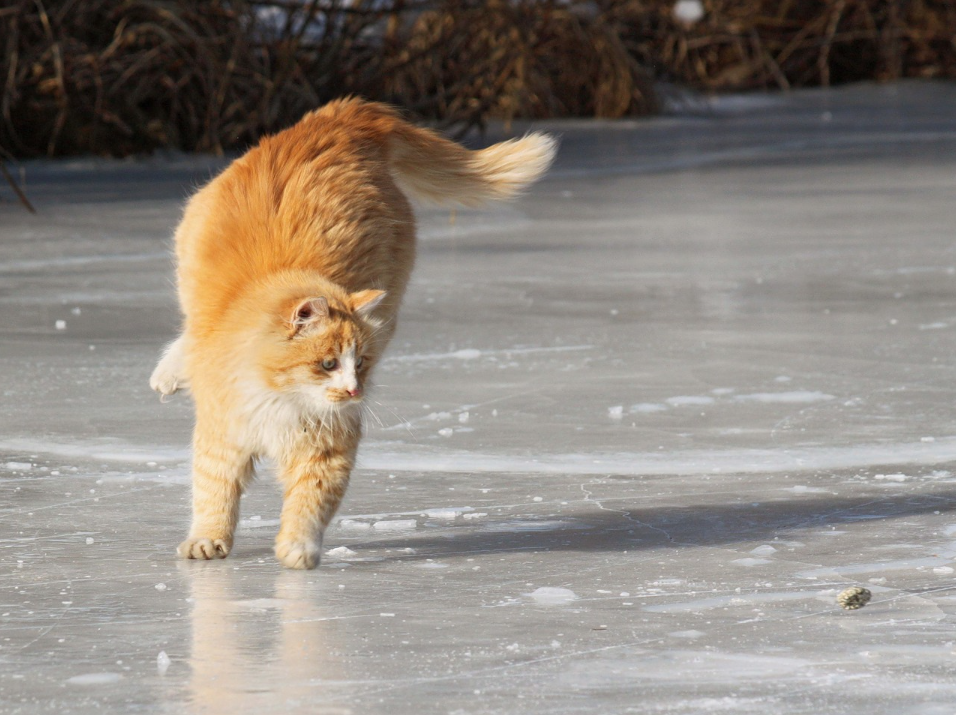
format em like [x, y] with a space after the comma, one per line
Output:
[353, 525]
[162, 662]
[446, 431]
[448, 514]
[795, 397]
[646, 408]
[803, 489]
[748, 562]
[472, 353]
[689, 400]
[616, 412]
[763, 550]
[390, 456]
[740, 599]
[891, 477]
[21, 466]
[552, 596]
[257, 522]
[686, 634]
[879, 566]
[95, 679]
[160, 587]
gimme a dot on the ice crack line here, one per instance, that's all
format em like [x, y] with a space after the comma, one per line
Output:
[589, 497]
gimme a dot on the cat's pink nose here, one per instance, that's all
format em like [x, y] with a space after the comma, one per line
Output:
[355, 392]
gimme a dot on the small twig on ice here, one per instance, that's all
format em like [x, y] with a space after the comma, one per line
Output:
[16, 189]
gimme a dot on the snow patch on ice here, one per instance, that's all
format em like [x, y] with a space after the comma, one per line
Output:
[389, 456]
[341, 552]
[257, 523]
[646, 408]
[879, 566]
[552, 596]
[353, 525]
[395, 525]
[740, 599]
[795, 397]
[447, 514]
[803, 489]
[686, 634]
[891, 477]
[748, 562]
[95, 679]
[522, 525]
[472, 353]
[689, 400]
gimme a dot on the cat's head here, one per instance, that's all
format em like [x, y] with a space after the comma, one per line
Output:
[324, 348]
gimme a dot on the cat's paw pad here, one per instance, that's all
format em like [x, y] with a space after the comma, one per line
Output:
[298, 554]
[201, 548]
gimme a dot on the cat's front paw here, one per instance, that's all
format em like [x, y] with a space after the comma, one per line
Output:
[298, 554]
[164, 381]
[202, 548]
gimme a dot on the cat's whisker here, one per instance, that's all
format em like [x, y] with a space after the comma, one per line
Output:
[367, 408]
[401, 420]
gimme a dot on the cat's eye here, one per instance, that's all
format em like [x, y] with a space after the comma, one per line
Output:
[358, 362]
[329, 364]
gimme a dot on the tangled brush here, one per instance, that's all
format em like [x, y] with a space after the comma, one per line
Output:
[115, 77]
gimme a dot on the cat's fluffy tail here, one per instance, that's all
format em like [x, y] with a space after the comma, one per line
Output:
[434, 169]
[437, 170]
[430, 167]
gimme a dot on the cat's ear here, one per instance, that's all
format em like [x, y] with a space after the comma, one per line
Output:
[365, 301]
[308, 313]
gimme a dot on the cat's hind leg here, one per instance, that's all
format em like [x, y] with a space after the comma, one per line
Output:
[315, 483]
[170, 373]
[221, 472]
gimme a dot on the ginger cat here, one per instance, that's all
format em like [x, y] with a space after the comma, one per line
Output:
[292, 264]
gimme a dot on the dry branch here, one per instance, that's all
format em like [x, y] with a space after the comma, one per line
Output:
[117, 77]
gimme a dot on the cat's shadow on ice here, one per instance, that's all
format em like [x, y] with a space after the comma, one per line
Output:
[615, 526]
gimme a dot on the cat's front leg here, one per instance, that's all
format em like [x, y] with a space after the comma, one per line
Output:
[221, 472]
[170, 373]
[315, 483]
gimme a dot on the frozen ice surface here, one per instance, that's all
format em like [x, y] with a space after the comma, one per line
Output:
[788, 262]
